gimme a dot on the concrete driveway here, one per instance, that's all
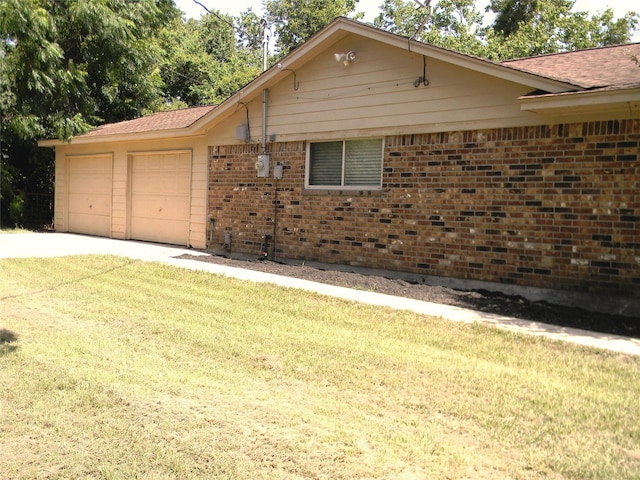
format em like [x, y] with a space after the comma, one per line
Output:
[25, 245]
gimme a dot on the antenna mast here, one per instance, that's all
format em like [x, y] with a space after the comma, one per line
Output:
[426, 18]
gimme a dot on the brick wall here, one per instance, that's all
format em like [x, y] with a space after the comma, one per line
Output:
[549, 206]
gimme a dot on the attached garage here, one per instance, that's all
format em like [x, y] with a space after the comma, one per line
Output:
[90, 194]
[143, 179]
[160, 196]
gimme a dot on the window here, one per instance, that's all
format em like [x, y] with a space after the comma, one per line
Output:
[349, 164]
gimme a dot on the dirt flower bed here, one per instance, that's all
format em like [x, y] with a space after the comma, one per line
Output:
[479, 300]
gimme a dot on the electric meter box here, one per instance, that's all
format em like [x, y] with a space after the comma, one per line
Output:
[277, 170]
[262, 166]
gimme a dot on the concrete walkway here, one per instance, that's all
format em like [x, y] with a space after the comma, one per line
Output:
[62, 244]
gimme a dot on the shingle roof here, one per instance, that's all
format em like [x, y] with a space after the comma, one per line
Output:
[168, 120]
[599, 67]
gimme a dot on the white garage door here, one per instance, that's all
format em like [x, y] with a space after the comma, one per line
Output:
[160, 197]
[89, 195]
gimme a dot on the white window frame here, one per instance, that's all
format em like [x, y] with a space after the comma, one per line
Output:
[342, 185]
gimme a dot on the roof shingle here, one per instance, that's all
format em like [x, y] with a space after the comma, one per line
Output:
[598, 67]
[167, 120]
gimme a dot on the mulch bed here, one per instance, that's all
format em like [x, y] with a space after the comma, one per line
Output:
[479, 300]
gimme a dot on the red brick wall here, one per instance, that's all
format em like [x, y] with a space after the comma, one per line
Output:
[551, 206]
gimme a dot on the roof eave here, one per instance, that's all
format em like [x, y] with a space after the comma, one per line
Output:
[121, 137]
[627, 98]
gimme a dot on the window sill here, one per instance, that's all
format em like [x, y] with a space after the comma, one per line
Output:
[343, 192]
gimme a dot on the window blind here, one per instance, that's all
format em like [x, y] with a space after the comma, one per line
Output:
[363, 162]
[326, 163]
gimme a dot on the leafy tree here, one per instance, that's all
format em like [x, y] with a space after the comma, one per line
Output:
[454, 24]
[521, 27]
[400, 17]
[554, 27]
[600, 29]
[207, 60]
[184, 66]
[37, 82]
[69, 64]
[511, 13]
[296, 20]
[249, 31]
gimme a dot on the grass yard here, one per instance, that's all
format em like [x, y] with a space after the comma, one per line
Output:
[112, 368]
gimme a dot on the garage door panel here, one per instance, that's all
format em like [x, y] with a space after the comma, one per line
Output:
[89, 195]
[90, 182]
[158, 184]
[89, 224]
[161, 161]
[160, 230]
[160, 197]
[161, 207]
[89, 204]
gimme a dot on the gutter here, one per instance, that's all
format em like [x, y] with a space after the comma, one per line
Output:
[604, 97]
[122, 137]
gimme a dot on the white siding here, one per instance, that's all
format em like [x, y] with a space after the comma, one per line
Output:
[376, 95]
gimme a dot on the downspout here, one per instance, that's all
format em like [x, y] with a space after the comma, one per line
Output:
[264, 121]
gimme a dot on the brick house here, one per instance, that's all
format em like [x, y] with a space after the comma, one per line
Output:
[394, 155]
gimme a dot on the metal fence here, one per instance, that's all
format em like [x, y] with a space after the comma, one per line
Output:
[38, 211]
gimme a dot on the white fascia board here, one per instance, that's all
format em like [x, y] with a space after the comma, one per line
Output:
[581, 100]
[124, 137]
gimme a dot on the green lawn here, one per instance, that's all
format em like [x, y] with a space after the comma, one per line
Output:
[112, 368]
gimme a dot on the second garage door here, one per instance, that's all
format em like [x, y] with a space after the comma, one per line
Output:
[160, 197]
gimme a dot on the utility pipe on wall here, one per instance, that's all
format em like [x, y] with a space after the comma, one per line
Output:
[264, 120]
[275, 220]
[265, 43]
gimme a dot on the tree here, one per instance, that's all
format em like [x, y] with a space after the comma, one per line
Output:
[510, 14]
[457, 25]
[67, 65]
[553, 27]
[185, 65]
[601, 29]
[296, 20]
[453, 24]
[208, 60]
[400, 17]
[521, 27]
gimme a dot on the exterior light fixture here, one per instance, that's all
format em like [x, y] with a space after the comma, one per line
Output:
[345, 58]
